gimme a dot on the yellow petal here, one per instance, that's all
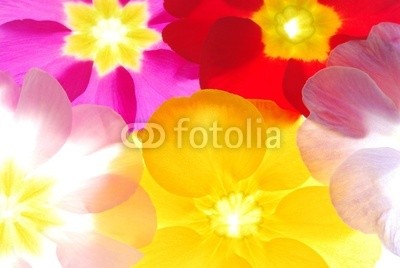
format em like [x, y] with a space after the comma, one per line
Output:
[182, 247]
[192, 161]
[282, 167]
[107, 8]
[135, 14]
[80, 16]
[105, 60]
[143, 37]
[80, 45]
[133, 222]
[307, 215]
[172, 210]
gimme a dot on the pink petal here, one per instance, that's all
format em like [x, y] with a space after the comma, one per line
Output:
[116, 90]
[43, 115]
[94, 128]
[347, 100]
[26, 44]
[41, 10]
[378, 56]
[9, 92]
[95, 251]
[164, 75]
[73, 75]
[98, 194]
[323, 150]
[364, 191]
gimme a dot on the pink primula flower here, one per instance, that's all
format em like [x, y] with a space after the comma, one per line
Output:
[352, 137]
[105, 52]
[59, 181]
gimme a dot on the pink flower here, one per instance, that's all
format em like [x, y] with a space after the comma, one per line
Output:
[61, 182]
[351, 138]
[102, 52]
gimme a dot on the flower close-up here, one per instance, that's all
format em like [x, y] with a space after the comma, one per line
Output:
[105, 52]
[351, 138]
[268, 49]
[230, 190]
[64, 188]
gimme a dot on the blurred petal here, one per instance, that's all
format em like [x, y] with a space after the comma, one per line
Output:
[44, 115]
[132, 222]
[281, 130]
[323, 150]
[364, 192]
[187, 123]
[116, 90]
[98, 194]
[43, 41]
[308, 216]
[95, 251]
[378, 56]
[347, 100]
[163, 75]
[9, 93]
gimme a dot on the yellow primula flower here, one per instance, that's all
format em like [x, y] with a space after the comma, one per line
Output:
[230, 190]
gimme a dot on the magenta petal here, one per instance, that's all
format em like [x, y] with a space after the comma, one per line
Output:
[26, 44]
[92, 250]
[40, 10]
[73, 75]
[44, 115]
[164, 75]
[364, 191]
[347, 100]
[116, 90]
[378, 56]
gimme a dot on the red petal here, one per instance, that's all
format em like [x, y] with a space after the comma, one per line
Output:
[296, 75]
[186, 36]
[359, 16]
[233, 60]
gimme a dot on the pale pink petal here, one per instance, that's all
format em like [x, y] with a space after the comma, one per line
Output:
[98, 194]
[43, 117]
[9, 92]
[116, 90]
[164, 75]
[26, 44]
[42, 10]
[347, 100]
[378, 56]
[95, 251]
[323, 150]
[73, 75]
[93, 127]
[364, 191]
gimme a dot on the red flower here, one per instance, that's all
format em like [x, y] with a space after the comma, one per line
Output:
[268, 49]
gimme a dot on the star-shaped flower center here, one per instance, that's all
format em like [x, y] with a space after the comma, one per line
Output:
[25, 211]
[108, 34]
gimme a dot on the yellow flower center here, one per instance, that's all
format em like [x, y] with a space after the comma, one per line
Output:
[297, 29]
[108, 34]
[235, 216]
[25, 211]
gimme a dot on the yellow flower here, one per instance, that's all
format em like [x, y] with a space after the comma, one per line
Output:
[230, 190]
[298, 29]
[109, 34]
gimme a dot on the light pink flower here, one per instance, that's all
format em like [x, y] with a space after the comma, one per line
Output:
[57, 178]
[35, 34]
[352, 136]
